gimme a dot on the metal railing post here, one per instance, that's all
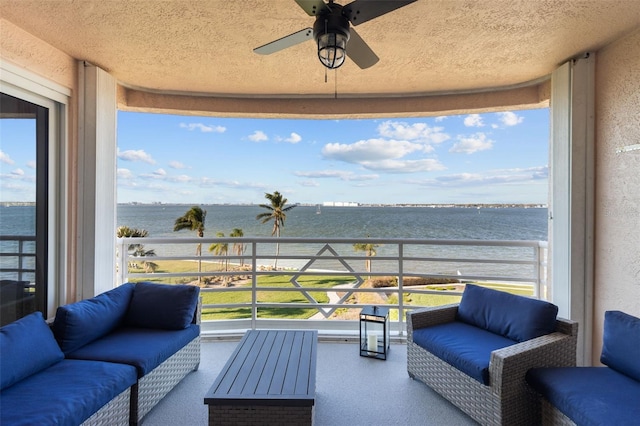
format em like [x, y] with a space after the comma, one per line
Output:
[254, 285]
[401, 323]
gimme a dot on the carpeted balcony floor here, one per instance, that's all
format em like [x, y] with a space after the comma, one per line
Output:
[350, 390]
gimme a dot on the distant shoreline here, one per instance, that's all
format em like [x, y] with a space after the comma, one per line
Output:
[430, 205]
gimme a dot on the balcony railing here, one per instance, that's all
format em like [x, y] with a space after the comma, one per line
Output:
[327, 279]
[17, 257]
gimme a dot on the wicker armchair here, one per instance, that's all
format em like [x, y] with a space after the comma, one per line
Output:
[507, 400]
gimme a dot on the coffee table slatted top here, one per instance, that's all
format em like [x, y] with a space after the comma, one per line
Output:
[269, 367]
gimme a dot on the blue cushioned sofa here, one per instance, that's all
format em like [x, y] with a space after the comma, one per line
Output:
[608, 395]
[104, 360]
[476, 353]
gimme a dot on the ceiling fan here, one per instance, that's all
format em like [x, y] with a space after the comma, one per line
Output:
[333, 33]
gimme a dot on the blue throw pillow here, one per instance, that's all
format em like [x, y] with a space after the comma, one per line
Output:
[26, 347]
[621, 343]
[164, 306]
[517, 317]
[80, 323]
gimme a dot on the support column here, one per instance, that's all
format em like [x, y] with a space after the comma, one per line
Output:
[571, 194]
[96, 181]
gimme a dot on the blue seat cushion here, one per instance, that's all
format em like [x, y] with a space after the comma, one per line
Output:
[517, 317]
[26, 347]
[77, 324]
[589, 395]
[143, 348]
[466, 347]
[66, 393]
[164, 306]
[621, 343]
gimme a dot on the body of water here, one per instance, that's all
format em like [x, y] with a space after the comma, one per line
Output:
[350, 222]
[332, 222]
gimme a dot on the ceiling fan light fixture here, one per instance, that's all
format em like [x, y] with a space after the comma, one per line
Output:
[332, 49]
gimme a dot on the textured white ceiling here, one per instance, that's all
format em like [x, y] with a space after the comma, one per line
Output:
[205, 46]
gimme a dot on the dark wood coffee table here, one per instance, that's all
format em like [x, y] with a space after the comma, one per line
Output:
[269, 379]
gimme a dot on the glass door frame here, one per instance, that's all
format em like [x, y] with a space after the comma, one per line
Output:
[54, 99]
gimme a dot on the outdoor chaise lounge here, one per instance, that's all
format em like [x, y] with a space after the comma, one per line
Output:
[476, 353]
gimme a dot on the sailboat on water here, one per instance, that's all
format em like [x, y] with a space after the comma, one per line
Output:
[318, 211]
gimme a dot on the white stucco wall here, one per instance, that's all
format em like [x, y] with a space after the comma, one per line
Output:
[617, 251]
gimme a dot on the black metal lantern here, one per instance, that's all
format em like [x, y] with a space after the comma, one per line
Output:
[374, 332]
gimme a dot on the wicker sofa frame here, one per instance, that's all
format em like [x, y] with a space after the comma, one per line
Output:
[155, 385]
[508, 400]
[116, 412]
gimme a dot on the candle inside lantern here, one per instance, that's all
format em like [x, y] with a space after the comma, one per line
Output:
[372, 342]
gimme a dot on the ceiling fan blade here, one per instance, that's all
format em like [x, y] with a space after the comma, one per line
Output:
[360, 11]
[284, 42]
[359, 51]
[312, 7]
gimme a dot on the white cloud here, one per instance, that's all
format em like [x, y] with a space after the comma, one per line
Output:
[124, 174]
[210, 182]
[182, 179]
[440, 118]
[135, 155]
[420, 132]
[177, 165]
[203, 127]
[509, 118]
[18, 175]
[309, 183]
[293, 138]
[159, 174]
[471, 144]
[473, 120]
[370, 150]
[31, 164]
[336, 174]
[258, 136]
[491, 177]
[5, 158]
[404, 166]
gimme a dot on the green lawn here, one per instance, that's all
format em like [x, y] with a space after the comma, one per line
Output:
[307, 282]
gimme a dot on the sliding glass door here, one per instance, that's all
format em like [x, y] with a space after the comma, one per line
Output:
[24, 207]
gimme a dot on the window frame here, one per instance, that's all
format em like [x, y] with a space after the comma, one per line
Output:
[24, 85]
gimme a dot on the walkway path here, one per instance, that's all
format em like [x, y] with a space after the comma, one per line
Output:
[334, 297]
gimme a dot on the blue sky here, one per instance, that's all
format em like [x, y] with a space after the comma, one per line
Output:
[485, 158]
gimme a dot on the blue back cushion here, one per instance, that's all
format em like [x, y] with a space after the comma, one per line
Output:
[26, 347]
[518, 318]
[163, 306]
[621, 343]
[79, 323]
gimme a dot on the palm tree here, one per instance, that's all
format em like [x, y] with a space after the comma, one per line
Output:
[193, 220]
[370, 251]
[221, 249]
[238, 248]
[276, 211]
[137, 250]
